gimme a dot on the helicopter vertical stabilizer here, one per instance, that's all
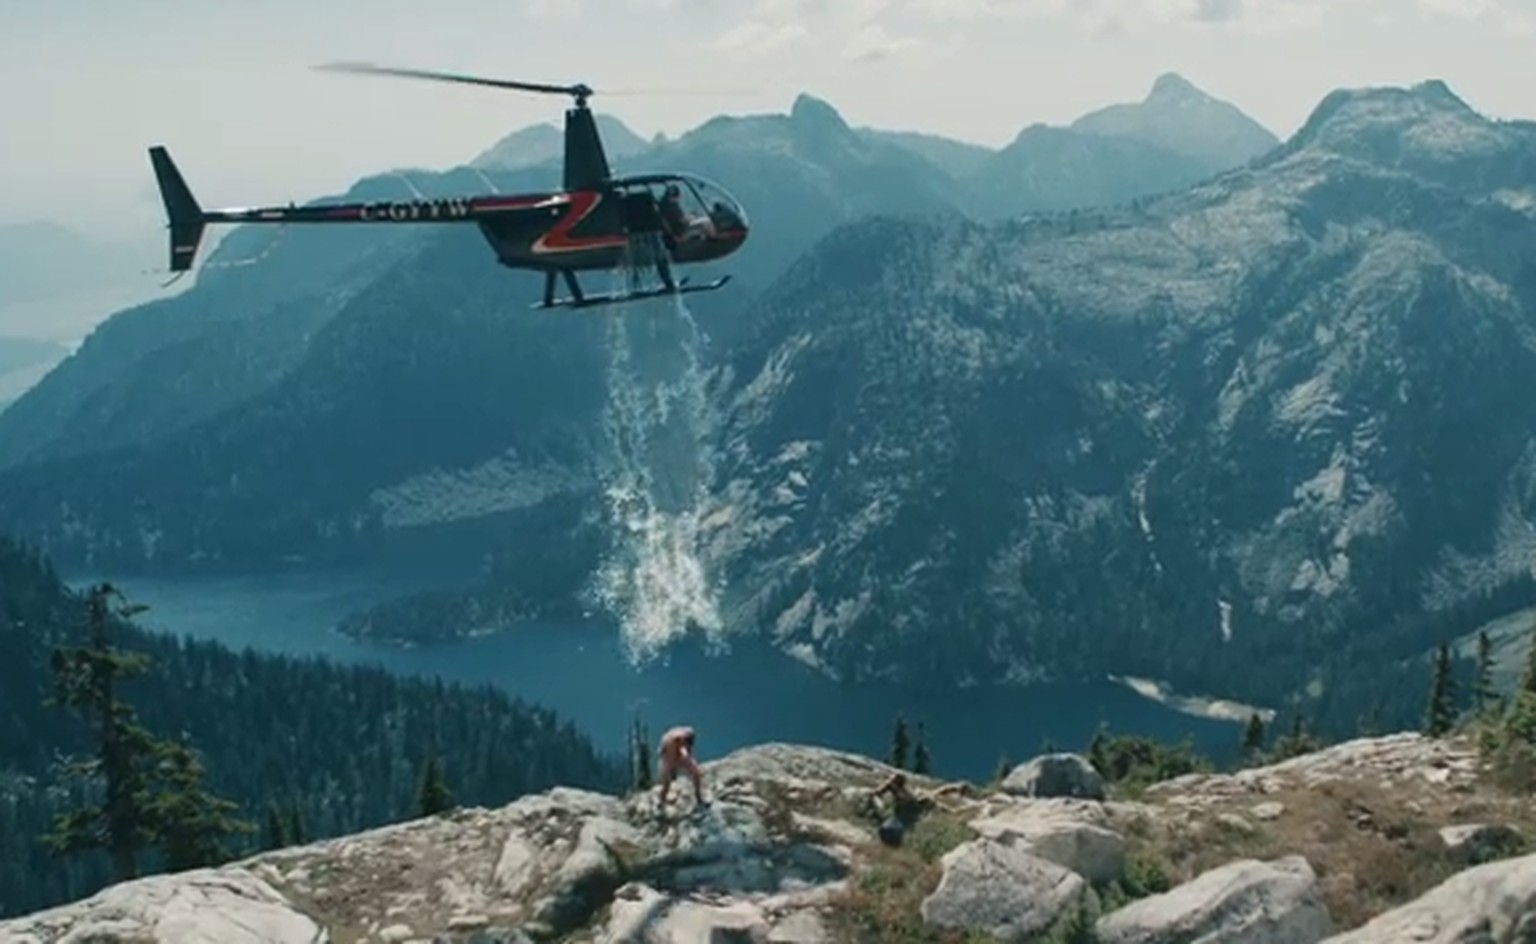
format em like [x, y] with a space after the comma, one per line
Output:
[586, 166]
[187, 220]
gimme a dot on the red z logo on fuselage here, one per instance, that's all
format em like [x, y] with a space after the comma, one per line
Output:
[559, 238]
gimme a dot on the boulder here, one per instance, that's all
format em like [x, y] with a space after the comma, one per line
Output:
[800, 927]
[642, 915]
[1053, 833]
[1493, 903]
[1481, 842]
[1243, 902]
[1001, 890]
[1055, 775]
[208, 906]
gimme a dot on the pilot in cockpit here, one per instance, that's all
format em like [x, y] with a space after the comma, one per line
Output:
[681, 224]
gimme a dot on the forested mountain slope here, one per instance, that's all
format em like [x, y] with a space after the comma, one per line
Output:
[1257, 438]
[338, 748]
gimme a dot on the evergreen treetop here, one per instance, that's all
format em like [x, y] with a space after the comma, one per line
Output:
[1440, 715]
[900, 743]
[433, 797]
[922, 761]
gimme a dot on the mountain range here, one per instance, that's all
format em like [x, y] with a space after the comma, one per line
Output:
[1272, 420]
[1154, 394]
[265, 295]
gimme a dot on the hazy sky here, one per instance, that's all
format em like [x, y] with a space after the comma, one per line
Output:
[87, 85]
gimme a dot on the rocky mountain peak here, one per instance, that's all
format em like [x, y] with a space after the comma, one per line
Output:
[1425, 128]
[784, 846]
[1172, 88]
[545, 141]
[810, 112]
[1436, 91]
[1179, 117]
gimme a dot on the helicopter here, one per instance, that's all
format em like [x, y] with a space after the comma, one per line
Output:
[596, 221]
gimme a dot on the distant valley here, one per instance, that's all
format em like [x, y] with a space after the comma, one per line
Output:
[1151, 395]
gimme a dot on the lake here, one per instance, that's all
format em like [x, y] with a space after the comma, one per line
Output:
[749, 695]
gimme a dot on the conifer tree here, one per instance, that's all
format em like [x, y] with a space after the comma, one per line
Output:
[274, 833]
[1296, 741]
[1528, 676]
[1004, 768]
[296, 834]
[1520, 715]
[84, 680]
[1098, 750]
[433, 796]
[922, 761]
[641, 777]
[1253, 735]
[1441, 713]
[191, 823]
[1369, 722]
[1482, 688]
[900, 743]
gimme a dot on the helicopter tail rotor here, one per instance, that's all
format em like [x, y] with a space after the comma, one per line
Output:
[186, 217]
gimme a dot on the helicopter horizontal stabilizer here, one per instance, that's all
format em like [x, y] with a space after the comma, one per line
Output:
[619, 298]
[186, 217]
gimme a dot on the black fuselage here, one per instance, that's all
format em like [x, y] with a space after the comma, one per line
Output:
[575, 231]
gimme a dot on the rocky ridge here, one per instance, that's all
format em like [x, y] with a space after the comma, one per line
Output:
[1374, 840]
[1267, 418]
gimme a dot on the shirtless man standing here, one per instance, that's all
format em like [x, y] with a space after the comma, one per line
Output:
[677, 751]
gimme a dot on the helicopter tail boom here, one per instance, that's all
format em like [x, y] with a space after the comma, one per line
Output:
[187, 220]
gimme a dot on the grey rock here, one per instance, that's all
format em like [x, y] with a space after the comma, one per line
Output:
[1243, 902]
[1054, 834]
[1494, 903]
[1055, 775]
[1000, 890]
[1481, 842]
[800, 927]
[206, 906]
[646, 916]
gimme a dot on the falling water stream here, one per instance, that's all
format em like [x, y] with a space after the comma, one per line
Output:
[657, 421]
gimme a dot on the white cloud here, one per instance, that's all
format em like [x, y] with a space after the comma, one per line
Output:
[1510, 16]
[1106, 16]
[973, 10]
[1518, 24]
[555, 9]
[1461, 9]
[758, 38]
[868, 30]
[773, 25]
[874, 42]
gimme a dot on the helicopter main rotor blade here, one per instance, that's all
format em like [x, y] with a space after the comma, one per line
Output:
[702, 92]
[364, 68]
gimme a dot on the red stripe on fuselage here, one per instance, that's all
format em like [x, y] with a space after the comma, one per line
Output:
[559, 238]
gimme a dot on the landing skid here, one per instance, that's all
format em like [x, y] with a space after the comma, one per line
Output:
[584, 300]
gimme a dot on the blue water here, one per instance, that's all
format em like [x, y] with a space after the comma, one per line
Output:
[749, 695]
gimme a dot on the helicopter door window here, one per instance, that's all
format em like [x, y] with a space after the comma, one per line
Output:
[683, 217]
[724, 212]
